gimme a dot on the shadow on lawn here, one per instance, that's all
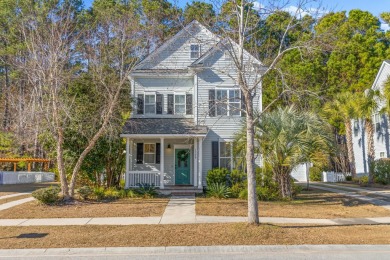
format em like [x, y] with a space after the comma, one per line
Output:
[28, 235]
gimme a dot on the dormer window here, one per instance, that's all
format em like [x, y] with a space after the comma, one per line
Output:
[195, 51]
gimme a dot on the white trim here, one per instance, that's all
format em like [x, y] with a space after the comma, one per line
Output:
[162, 163]
[200, 163]
[384, 63]
[154, 157]
[151, 93]
[231, 153]
[181, 146]
[235, 88]
[195, 159]
[162, 135]
[195, 100]
[199, 51]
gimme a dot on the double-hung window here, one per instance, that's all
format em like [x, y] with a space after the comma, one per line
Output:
[228, 102]
[377, 121]
[150, 104]
[195, 51]
[149, 153]
[180, 104]
[225, 155]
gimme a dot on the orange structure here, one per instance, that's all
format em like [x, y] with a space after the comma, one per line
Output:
[28, 160]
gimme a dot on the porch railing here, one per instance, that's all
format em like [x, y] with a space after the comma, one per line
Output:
[134, 178]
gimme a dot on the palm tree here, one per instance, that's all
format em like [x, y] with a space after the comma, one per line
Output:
[367, 106]
[344, 109]
[289, 137]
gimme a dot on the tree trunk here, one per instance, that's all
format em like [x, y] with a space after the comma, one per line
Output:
[60, 149]
[351, 155]
[370, 148]
[6, 119]
[253, 211]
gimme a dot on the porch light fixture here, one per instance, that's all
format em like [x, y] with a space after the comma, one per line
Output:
[169, 146]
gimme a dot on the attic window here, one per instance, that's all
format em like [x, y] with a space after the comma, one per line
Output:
[195, 51]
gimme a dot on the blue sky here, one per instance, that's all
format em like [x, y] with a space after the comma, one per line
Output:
[374, 6]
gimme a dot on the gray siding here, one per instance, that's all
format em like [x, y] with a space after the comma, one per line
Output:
[176, 55]
[381, 135]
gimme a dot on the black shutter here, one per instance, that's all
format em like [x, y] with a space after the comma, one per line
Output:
[158, 147]
[243, 113]
[214, 155]
[140, 104]
[211, 102]
[170, 104]
[159, 103]
[189, 104]
[140, 153]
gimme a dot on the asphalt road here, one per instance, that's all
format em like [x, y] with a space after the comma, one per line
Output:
[355, 252]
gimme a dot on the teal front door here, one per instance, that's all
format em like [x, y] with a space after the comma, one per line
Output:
[182, 166]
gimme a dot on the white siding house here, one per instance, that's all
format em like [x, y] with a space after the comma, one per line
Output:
[186, 110]
[381, 137]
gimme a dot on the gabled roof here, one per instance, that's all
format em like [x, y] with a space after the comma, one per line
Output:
[384, 63]
[174, 38]
[220, 46]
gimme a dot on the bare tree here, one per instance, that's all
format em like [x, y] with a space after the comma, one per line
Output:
[242, 25]
[52, 36]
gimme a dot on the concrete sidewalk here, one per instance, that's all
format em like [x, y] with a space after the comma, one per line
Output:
[207, 252]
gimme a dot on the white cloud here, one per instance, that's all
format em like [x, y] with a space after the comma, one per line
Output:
[257, 6]
[298, 12]
[385, 27]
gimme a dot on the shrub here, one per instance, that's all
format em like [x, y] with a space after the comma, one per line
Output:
[84, 192]
[99, 193]
[130, 193]
[382, 171]
[146, 190]
[47, 195]
[348, 178]
[296, 189]
[112, 194]
[267, 193]
[243, 194]
[315, 174]
[237, 188]
[237, 176]
[363, 181]
[218, 190]
[218, 175]
[355, 180]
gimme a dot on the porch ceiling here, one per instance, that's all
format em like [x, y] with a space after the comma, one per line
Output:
[162, 126]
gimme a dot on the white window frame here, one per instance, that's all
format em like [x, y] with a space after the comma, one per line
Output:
[155, 103]
[377, 120]
[174, 103]
[382, 155]
[224, 157]
[228, 102]
[154, 153]
[198, 52]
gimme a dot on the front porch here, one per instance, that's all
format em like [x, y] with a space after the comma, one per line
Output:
[171, 160]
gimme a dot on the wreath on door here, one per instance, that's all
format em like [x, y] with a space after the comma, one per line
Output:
[182, 156]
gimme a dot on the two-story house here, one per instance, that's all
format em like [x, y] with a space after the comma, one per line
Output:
[186, 110]
[381, 124]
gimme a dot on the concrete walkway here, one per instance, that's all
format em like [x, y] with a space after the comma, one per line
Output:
[15, 203]
[353, 194]
[180, 210]
[14, 195]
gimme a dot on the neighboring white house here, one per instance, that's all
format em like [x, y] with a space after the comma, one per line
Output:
[186, 109]
[381, 137]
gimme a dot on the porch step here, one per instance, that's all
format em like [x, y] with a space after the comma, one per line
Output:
[180, 190]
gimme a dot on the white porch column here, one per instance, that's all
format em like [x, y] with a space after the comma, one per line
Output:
[196, 161]
[200, 160]
[131, 155]
[127, 161]
[162, 163]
